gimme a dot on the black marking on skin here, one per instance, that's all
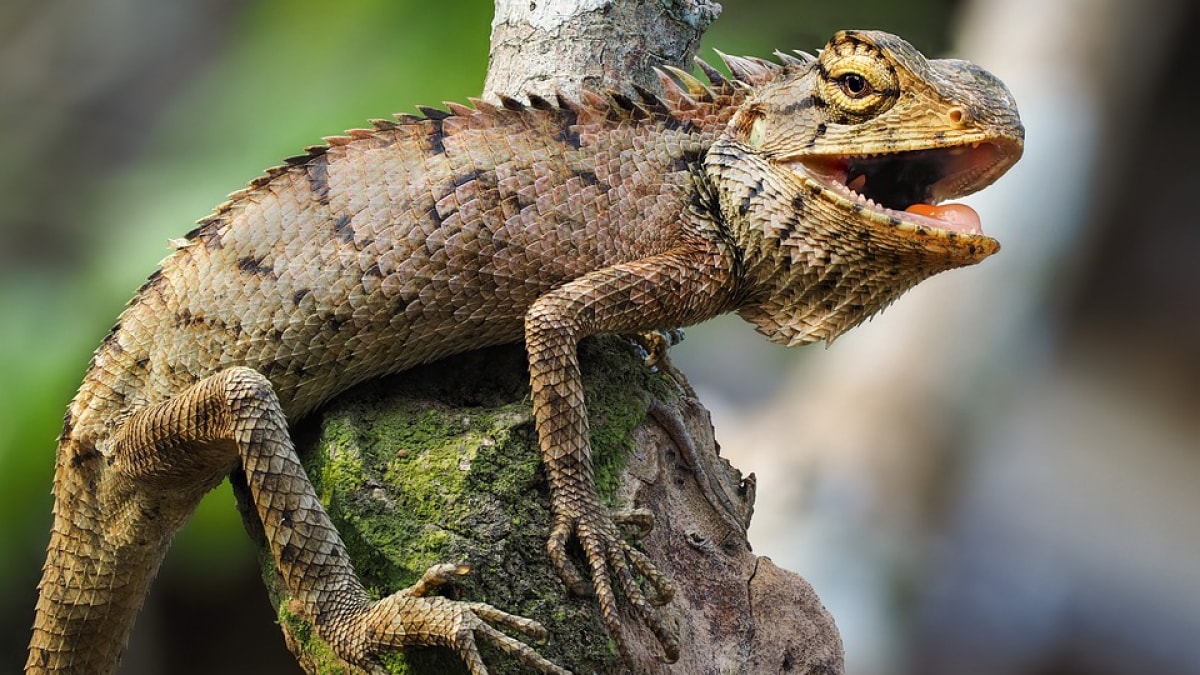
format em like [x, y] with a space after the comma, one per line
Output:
[110, 342]
[67, 427]
[798, 203]
[893, 221]
[436, 218]
[285, 518]
[803, 104]
[786, 233]
[462, 179]
[185, 319]
[298, 296]
[335, 323]
[436, 137]
[151, 281]
[374, 271]
[672, 123]
[318, 178]
[754, 191]
[516, 201]
[689, 160]
[85, 453]
[251, 265]
[343, 230]
[288, 553]
[569, 137]
[587, 176]
[820, 131]
[207, 232]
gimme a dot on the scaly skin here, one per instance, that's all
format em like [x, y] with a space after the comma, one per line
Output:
[438, 234]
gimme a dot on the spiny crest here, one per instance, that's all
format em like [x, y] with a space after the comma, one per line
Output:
[682, 92]
[685, 91]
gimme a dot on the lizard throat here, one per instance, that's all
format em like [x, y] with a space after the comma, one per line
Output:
[909, 187]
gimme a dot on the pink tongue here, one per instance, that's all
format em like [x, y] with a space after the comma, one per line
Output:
[957, 217]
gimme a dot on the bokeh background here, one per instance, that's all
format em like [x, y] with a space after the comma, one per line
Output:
[999, 475]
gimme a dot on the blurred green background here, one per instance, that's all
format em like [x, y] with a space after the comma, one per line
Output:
[122, 122]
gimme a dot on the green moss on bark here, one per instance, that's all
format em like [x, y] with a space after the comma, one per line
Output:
[441, 464]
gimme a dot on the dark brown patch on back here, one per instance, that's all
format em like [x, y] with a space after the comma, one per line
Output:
[436, 137]
[688, 160]
[588, 176]
[83, 452]
[672, 123]
[251, 265]
[569, 135]
[343, 229]
[207, 232]
[318, 178]
[466, 177]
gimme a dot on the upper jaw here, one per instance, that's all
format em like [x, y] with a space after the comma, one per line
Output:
[904, 188]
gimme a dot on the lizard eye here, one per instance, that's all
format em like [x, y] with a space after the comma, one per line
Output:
[854, 85]
[859, 80]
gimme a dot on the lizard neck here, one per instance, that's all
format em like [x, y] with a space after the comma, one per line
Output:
[810, 270]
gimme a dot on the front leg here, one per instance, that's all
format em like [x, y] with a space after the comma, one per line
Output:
[676, 288]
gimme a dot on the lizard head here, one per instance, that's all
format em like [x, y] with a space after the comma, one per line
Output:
[836, 172]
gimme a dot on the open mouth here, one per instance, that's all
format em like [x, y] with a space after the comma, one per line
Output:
[909, 187]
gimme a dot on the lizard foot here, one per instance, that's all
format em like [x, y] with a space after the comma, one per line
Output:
[613, 562]
[413, 617]
[652, 346]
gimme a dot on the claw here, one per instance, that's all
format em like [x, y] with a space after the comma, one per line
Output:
[652, 346]
[437, 576]
[413, 617]
[613, 562]
[556, 548]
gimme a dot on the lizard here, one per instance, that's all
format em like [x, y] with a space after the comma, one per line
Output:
[804, 195]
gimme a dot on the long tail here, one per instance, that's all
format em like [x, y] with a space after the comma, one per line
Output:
[99, 565]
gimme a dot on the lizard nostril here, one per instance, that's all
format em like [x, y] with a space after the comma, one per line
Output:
[959, 116]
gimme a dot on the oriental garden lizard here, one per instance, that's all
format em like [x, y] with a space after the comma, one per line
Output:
[804, 195]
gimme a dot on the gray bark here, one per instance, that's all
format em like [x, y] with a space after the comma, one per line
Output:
[549, 46]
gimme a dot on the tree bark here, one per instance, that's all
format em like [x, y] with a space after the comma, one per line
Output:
[441, 463]
[546, 47]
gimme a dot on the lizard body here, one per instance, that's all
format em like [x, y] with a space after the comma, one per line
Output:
[802, 196]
